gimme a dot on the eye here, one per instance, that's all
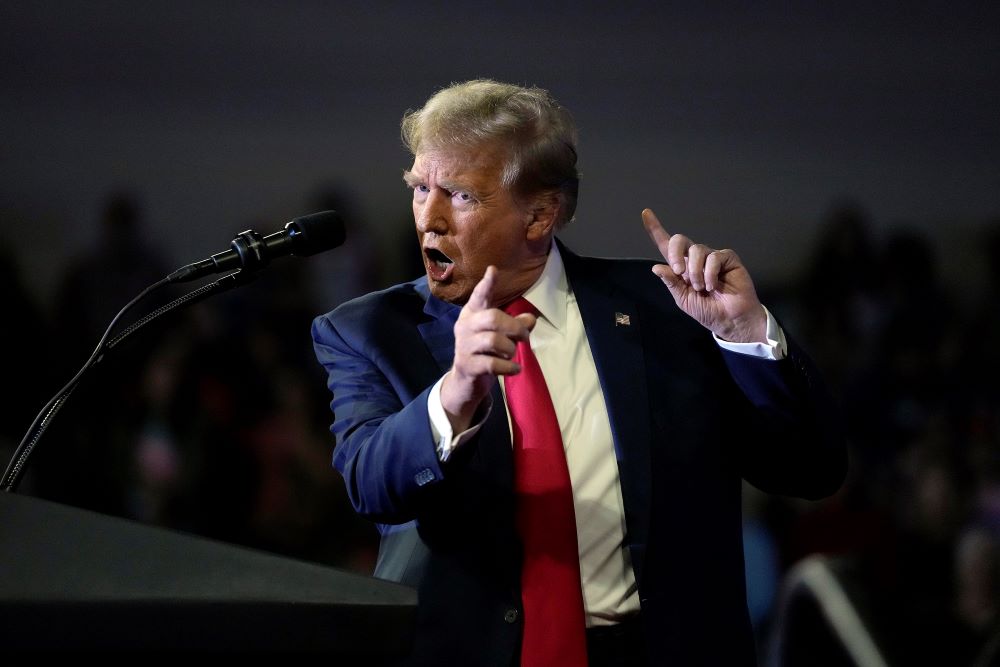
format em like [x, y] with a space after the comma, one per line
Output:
[419, 192]
[463, 197]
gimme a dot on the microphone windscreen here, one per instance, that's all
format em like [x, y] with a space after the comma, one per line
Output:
[316, 232]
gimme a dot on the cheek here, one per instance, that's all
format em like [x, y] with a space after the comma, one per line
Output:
[486, 240]
[484, 250]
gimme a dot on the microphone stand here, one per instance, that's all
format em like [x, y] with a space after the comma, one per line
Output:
[15, 468]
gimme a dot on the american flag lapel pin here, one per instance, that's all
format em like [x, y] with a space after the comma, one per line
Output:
[622, 320]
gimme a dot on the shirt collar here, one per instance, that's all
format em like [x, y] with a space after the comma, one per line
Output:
[550, 293]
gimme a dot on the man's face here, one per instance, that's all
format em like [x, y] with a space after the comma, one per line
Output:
[466, 220]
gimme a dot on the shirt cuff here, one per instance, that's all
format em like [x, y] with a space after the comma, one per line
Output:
[775, 348]
[445, 441]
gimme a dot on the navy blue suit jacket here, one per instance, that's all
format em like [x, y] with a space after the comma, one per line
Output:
[689, 420]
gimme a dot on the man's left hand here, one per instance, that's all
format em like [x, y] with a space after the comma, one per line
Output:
[712, 286]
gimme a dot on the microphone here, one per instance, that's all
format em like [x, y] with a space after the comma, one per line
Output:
[302, 237]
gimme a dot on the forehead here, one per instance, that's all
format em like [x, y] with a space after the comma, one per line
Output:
[480, 163]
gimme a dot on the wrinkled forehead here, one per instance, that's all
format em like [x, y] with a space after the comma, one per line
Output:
[481, 161]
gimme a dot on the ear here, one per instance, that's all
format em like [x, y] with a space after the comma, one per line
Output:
[542, 215]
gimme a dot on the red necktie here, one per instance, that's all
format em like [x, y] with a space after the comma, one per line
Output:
[554, 621]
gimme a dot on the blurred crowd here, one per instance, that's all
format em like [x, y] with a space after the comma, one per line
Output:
[915, 530]
[216, 422]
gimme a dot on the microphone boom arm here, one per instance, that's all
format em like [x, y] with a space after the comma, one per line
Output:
[250, 252]
[15, 468]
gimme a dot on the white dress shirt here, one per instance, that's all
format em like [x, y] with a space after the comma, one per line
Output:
[560, 344]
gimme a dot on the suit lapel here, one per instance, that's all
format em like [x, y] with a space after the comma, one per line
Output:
[613, 324]
[492, 455]
[438, 332]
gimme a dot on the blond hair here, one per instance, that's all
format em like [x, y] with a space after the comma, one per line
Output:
[540, 134]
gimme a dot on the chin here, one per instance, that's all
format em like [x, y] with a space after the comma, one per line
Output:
[449, 292]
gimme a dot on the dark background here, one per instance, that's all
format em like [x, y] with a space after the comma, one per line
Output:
[849, 153]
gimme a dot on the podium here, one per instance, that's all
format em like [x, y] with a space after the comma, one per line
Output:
[75, 580]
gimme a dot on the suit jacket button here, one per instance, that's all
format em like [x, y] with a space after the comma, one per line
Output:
[423, 477]
[510, 616]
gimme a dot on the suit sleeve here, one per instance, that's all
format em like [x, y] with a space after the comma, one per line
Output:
[384, 446]
[800, 446]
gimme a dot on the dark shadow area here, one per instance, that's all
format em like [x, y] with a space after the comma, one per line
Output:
[916, 522]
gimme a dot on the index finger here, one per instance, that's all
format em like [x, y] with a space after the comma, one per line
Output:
[656, 231]
[483, 291]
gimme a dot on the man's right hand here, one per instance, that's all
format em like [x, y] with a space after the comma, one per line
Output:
[485, 340]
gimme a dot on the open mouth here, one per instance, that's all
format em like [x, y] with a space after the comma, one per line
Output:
[439, 265]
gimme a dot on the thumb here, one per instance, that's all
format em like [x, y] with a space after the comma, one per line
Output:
[667, 275]
[678, 288]
[528, 320]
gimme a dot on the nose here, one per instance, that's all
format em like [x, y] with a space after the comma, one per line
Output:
[432, 214]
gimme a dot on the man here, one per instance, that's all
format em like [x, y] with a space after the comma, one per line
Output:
[670, 382]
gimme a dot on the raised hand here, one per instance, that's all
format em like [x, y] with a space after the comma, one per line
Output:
[485, 340]
[712, 286]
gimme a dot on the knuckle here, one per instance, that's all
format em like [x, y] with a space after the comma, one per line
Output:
[496, 341]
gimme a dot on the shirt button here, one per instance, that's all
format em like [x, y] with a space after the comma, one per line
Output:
[510, 616]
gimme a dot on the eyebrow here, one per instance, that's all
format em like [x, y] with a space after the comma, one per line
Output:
[412, 180]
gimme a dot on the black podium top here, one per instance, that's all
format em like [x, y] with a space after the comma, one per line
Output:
[72, 579]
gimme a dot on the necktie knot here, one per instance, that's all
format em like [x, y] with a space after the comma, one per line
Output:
[518, 306]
